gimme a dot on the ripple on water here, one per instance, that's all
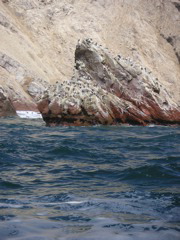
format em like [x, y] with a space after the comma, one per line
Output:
[88, 183]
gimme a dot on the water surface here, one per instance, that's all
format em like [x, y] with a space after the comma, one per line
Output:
[82, 183]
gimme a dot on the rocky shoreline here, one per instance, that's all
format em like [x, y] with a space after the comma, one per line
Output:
[107, 90]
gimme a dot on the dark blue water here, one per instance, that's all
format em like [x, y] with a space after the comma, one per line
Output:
[80, 183]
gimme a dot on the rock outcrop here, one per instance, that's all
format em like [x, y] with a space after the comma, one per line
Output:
[107, 90]
[6, 107]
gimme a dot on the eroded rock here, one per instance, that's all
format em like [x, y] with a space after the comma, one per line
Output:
[107, 90]
[6, 106]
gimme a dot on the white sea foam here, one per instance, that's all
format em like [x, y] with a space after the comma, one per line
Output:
[6, 205]
[75, 202]
[28, 114]
[61, 203]
[151, 125]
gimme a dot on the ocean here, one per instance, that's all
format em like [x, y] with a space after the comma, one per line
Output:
[84, 183]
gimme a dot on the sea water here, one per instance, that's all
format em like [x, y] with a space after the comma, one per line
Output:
[84, 183]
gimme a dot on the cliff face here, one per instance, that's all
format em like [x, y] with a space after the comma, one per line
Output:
[38, 41]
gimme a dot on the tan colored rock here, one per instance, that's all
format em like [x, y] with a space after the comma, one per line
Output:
[39, 39]
[14, 91]
[6, 107]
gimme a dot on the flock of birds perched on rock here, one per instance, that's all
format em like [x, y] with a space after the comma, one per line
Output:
[104, 88]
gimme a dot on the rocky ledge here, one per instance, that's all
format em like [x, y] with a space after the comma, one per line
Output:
[107, 90]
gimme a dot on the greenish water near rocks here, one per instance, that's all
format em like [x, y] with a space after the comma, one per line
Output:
[88, 182]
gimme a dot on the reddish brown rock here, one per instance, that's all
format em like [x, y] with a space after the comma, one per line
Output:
[107, 90]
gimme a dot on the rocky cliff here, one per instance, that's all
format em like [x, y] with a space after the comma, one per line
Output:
[38, 45]
[107, 90]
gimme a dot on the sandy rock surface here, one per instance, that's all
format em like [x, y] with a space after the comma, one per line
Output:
[39, 38]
